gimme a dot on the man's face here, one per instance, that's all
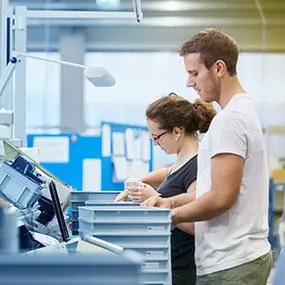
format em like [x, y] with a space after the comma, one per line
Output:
[203, 80]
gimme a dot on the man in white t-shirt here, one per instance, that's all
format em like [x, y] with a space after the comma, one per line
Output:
[230, 209]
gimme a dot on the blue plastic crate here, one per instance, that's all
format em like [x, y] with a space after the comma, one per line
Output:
[74, 215]
[76, 204]
[75, 225]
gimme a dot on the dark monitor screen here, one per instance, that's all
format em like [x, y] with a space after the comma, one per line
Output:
[58, 211]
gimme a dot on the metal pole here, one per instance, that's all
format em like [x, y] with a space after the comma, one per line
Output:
[53, 14]
[22, 54]
[138, 10]
[20, 76]
[104, 244]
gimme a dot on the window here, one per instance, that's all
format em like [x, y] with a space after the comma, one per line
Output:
[42, 92]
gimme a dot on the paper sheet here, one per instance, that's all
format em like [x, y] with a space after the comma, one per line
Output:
[32, 152]
[138, 168]
[91, 176]
[118, 143]
[106, 140]
[53, 149]
[129, 134]
[120, 168]
[146, 143]
[137, 148]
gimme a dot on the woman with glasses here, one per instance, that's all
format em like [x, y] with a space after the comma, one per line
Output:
[174, 124]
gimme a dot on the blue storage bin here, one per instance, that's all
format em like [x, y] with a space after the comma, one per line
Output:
[74, 215]
[76, 204]
[75, 225]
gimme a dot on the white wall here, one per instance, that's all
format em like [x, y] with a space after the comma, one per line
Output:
[142, 77]
[43, 91]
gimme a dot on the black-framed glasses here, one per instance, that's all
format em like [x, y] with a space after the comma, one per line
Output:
[156, 138]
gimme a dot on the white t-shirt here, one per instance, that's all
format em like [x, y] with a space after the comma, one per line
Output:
[240, 234]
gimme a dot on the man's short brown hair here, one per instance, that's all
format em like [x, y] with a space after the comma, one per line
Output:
[213, 45]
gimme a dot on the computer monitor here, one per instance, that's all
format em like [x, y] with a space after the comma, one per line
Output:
[58, 211]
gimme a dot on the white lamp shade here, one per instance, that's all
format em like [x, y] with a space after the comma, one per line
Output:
[99, 76]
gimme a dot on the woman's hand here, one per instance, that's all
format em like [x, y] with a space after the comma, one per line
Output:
[141, 193]
[123, 196]
[158, 202]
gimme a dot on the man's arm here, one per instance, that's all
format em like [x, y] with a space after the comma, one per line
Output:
[226, 175]
[189, 228]
[171, 202]
[182, 199]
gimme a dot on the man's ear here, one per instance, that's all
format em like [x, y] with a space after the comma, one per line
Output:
[220, 68]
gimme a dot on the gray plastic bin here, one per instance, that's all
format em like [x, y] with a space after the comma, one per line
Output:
[76, 204]
[78, 198]
[117, 227]
[155, 275]
[155, 264]
[133, 240]
[158, 253]
[82, 196]
[17, 188]
[110, 203]
[156, 283]
[125, 214]
[83, 269]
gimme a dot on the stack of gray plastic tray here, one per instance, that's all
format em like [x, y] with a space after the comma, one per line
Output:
[78, 198]
[17, 188]
[143, 229]
[84, 269]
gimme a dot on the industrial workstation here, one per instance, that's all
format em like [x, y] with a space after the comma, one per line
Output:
[141, 142]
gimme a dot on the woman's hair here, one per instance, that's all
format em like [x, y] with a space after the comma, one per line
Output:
[175, 111]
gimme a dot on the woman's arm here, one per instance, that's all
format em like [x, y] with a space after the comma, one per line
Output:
[156, 177]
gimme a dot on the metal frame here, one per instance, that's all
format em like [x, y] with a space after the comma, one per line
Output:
[13, 36]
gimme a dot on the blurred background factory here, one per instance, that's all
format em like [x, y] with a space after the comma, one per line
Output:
[143, 58]
[93, 138]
